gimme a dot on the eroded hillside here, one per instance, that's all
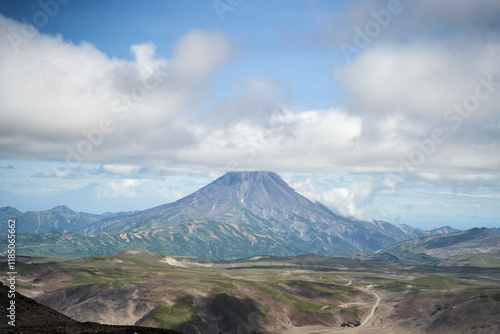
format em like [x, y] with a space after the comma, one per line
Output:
[302, 294]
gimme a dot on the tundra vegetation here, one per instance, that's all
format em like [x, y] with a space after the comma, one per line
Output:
[264, 294]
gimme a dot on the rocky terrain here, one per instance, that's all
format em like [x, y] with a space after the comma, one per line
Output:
[137, 287]
[303, 294]
[32, 317]
[224, 260]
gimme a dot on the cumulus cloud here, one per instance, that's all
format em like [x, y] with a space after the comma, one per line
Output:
[62, 171]
[120, 169]
[420, 78]
[290, 140]
[350, 198]
[197, 55]
[122, 188]
[67, 102]
[350, 201]
[252, 99]
[56, 94]
[405, 21]
[423, 79]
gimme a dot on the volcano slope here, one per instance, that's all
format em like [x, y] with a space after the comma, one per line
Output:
[240, 214]
[302, 294]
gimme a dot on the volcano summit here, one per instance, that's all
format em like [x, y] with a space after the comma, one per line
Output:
[238, 215]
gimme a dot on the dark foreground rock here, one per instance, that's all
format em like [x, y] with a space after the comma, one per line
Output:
[32, 317]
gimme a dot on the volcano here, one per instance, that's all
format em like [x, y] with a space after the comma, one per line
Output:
[250, 213]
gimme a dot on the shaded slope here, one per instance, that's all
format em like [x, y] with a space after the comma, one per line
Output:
[473, 241]
[32, 317]
[474, 247]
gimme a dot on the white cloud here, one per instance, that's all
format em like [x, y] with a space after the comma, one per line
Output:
[252, 99]
[479, 196]
[421, 79]
[289, 140]
[430, 176]
[348, 198]
[408, 21]
[350, 201]
[122, 188]
[425, 203]
[197, 55]
[120, 169]
[157, 116]
[330, 128]
[56, 95]
[170, 194]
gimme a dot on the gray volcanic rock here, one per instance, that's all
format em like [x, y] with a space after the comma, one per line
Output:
[239, 215]
[259, 207]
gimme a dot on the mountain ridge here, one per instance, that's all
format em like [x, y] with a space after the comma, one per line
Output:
[239, 214]
[477, 239]
[58, 219]
[262, 199]
[473, 247]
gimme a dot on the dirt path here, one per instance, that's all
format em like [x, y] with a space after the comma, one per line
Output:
[357, 330]
[374, 308]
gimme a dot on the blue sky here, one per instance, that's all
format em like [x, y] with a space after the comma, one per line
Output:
[378, 109]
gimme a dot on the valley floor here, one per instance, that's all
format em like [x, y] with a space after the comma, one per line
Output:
[292, 295]
[376, 322]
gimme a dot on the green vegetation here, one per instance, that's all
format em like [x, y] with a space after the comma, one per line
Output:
[180, 316]
[467, 292]
[250, 291]
[324, 290]
[354, 310]
[437, 282]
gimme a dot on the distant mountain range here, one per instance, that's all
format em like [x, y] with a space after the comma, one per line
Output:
[77, 199]
[59, 219]
[474, 247]
[238, 215]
